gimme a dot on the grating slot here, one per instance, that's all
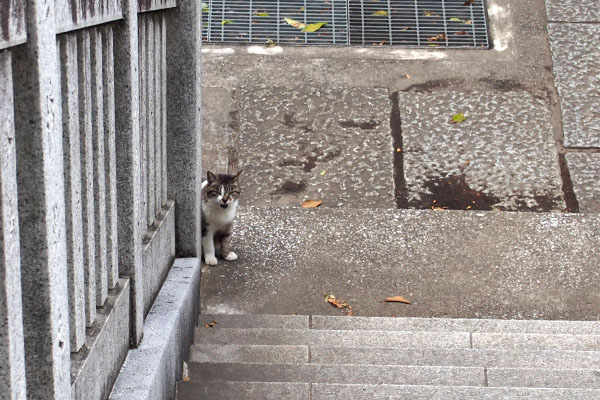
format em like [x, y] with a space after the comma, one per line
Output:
[407, 23]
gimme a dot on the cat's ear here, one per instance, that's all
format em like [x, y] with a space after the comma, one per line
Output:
[210, 177]
[236, 176]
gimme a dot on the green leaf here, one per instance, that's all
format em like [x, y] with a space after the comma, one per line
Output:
[457, 118]
[456, 19]
[380, 12]
[295, 24]
[270, 43]
[313, 27]
[261, 14]
[226, 21]
[204, 7]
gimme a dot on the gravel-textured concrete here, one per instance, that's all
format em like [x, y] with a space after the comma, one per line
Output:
[316, 143]
[243, 390]
[572, 11]
[315, 373]
[502, 156]
[150, 371]
[400, 392]
[562, 359]
[447, 263]
[576, 78]
[249, 353]
[453, 325]
[585, 175]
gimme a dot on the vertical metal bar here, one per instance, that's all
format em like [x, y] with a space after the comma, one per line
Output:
[333, 21]
[223, 19]
[417, 23]
[164, 110]
[87, 181]
[158, 116]
[389, 6]
[306, 22]
[72, 172]
[362, 21]
[143, 83]
[251, 5]
[278, 22]
[473, 24]
[150, 118]
[99, 166]
[209, 27]
[111, 158]
[445, 21]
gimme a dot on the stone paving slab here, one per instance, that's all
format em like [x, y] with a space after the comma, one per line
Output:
[577, 78]
[315, 373]
[530, 341]
[242, 390]
[401, 392]
[455, 324]
[310, 143]
[255, 321]
[585, 175]
[249, 353]
[503, 156]
[548, 378]
[572, 11]
[447, 263]
[456, 357]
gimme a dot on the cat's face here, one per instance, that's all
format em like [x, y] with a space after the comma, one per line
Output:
[222, 189]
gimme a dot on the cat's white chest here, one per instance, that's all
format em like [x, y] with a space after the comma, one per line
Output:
[216, 216]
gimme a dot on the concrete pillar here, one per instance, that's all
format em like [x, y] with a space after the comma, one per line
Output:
[42, 206]
[131, 223]
[12, 372]
[184, 137]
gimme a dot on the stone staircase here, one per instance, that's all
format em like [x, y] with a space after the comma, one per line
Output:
[339, 357]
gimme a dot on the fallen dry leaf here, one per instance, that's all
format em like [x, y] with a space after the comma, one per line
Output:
[211, 324]
[467, 162]
[339, 304]
[468, 3]
[186, 379]
[438, 37]
[397, 299]
[460, 33]
[399, 150]
[407, 76]
[311, 203]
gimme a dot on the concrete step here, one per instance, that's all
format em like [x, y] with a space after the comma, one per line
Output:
[396, 356]
[324, 322]
[303, 391]
[403, 339]
[395, 375]
[449, 264]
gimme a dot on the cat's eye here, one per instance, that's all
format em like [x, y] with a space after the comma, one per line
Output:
[235, 194]
[212, 193]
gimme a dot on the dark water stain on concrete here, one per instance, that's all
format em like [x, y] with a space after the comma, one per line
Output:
[452, 192]
[504, 85]
[290, 187]
[567, 185]
[288, 120]
[366, 125]
[400, 191]
[435, 84]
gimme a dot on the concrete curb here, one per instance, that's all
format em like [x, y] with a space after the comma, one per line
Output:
[151, 370]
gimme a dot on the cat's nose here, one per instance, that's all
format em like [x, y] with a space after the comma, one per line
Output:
[224, 205]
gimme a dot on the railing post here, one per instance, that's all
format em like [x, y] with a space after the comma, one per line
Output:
[42, 206]
[131, 226]
[184, 137]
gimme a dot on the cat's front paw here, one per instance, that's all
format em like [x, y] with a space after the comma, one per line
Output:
[231, 256]
[212, 260]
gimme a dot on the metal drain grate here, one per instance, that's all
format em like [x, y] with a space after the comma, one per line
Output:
[405, 23]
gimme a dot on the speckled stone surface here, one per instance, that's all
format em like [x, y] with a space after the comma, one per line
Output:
[502, 156]
[585, 175]
[447, 263]
[311, 143]
[577, 78]
[572, 11]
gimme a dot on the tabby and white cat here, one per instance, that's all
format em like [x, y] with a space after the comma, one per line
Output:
[220, 195]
